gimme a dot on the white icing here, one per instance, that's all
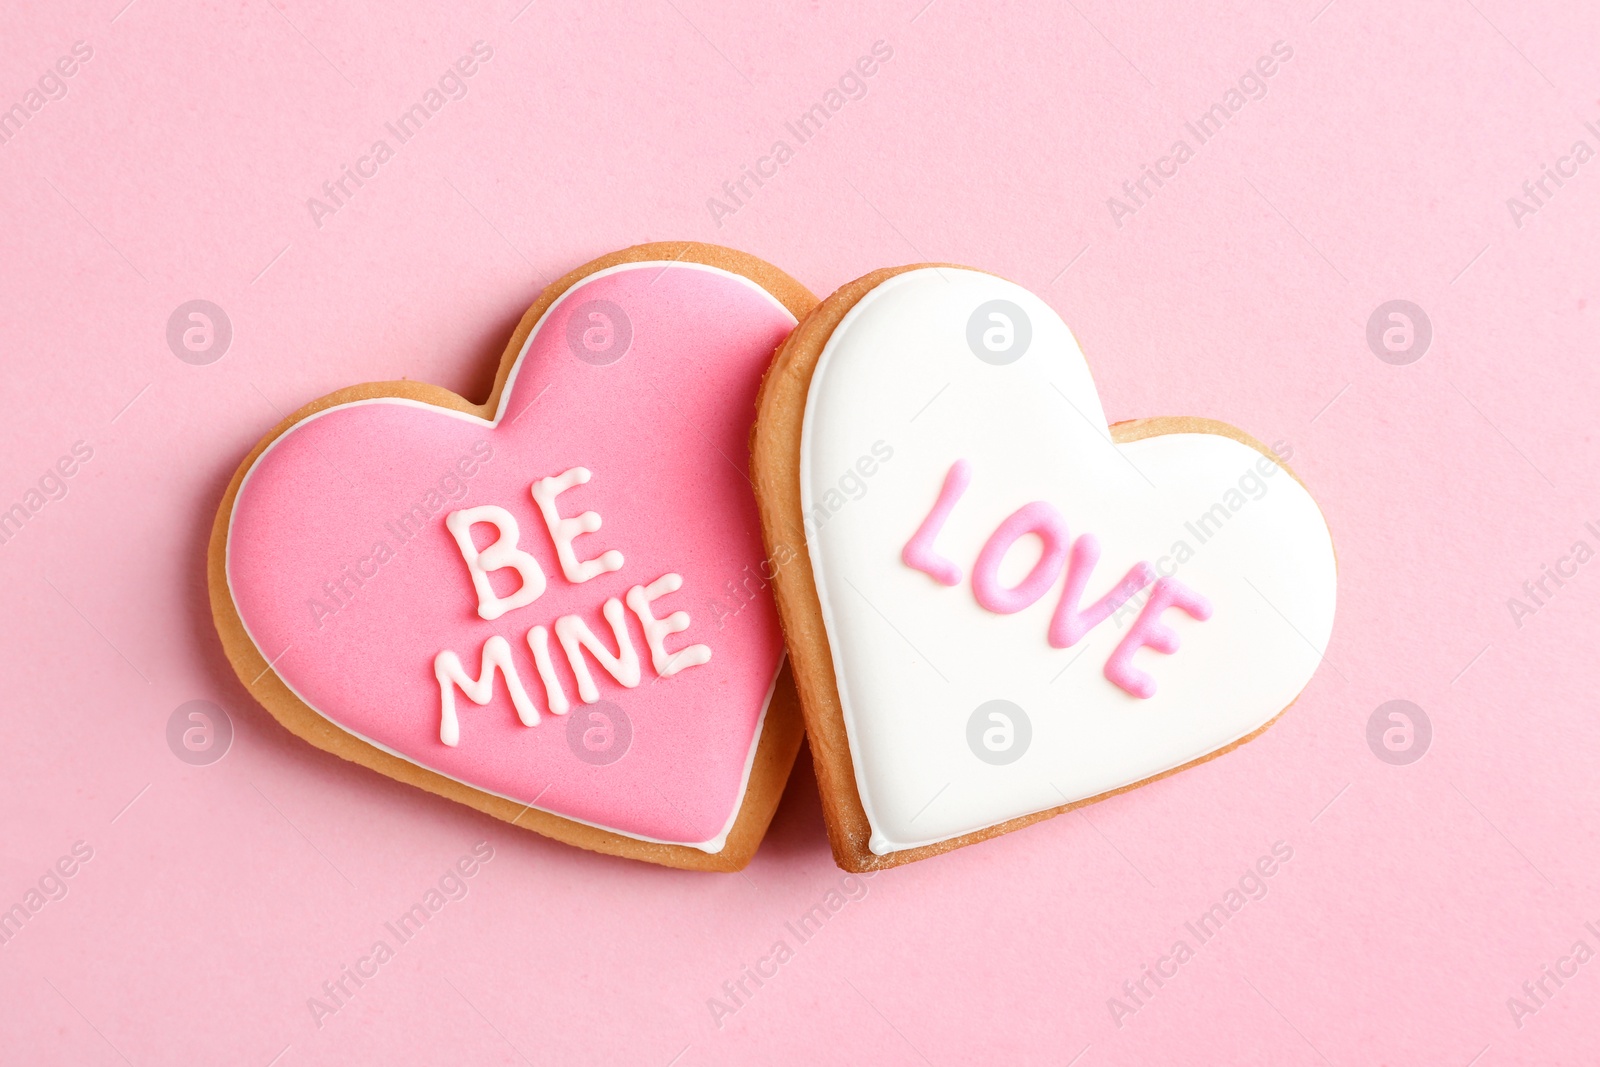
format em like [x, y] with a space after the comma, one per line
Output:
[656, 631]
[575, 637]
[452, 675]
[711, 846]
[502, 553]
[555, 696]
[564, 531]
[915, 659]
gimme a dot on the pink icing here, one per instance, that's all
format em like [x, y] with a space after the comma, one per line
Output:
[1069, 624]
[349, 581]
[1036, 518]
[919, 551]
[1150, 632]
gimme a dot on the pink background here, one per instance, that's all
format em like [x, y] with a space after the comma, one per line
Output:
[1377, 167]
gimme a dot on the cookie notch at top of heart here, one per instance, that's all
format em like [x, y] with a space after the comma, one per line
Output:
[523, 605]
[997, 607]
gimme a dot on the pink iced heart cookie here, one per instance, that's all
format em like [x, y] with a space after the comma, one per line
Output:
[552, 606]
[999, 607]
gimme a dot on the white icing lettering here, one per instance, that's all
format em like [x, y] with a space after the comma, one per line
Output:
[502, 553]
[563, 531]
[578, 642]
[452, 675]
[576, 637]
[539, 645]
[656, 630]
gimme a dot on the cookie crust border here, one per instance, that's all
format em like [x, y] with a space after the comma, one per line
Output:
[775, 468]
[781, 733]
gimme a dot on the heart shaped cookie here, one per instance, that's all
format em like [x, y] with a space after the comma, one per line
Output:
[550, 606]
[997, 607]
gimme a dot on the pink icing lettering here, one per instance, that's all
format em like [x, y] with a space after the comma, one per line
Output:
[1149, 631]
[1070, 624]
[1046, 523]
[919, 552]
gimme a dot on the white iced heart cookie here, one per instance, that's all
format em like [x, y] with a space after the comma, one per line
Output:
[1005, 607]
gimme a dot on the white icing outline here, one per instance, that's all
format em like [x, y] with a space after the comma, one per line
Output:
[715, 844]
